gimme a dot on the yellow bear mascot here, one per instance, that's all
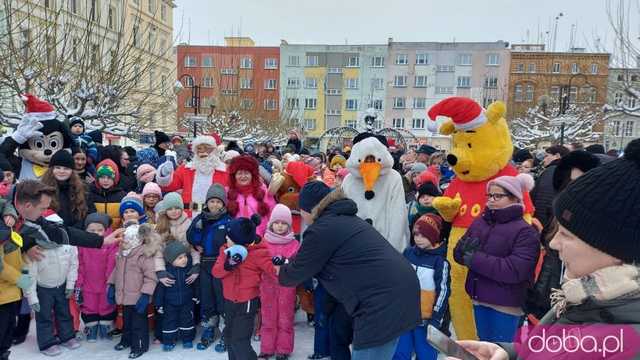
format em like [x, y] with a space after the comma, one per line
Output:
[481, 152]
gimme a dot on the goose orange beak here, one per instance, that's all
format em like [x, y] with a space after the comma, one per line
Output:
[370, 172]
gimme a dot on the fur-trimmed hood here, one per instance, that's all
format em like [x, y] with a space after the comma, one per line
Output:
[336, 202]
[150, 240]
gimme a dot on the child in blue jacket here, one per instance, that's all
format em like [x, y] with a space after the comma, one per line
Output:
[428, 257]
[176, 301]
[207, 234]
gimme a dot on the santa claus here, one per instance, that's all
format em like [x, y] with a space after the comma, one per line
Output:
[193, 179]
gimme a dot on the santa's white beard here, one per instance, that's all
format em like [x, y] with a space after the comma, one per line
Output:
[205, 165]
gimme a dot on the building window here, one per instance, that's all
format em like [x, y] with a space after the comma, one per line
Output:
[163, 12]
[270, 63]
[377, 61]
[402, 59]
[351, 104]
[310, 124]
[312, 60]
[246, 63]
[417, 123]
[423, 59]
[190, 61]
[310, 103]
[419, 103]
[207, 82]
[73, 6]
[293, 83]
[270, 104]
[93, 12]
[445, 68]
[532, 68]
[575, 68]
[334, 70]
[207, 61]
[594, 69]
[519, 68]
[351, 83]
[444, 90]
[493, 59]
[377, 104]
[464, 81]
[491, 82]
[246, 104]
[152, 6]
[399, 103]
[573, 94]
[293, 103]
[529, 93]
[270, 84]
[310, 83]
[398, 123]
[351, 123]
[518, 92]
[333, 112]
[400, 81]
[620, 77]
[378, 83]
[294, 60]
[628, 128]
[188, 103]
[377, 124]
[554, 92]
[556, 68]
[111, 18]
[589, 94]
[421, 81]
[353, 61]
[616, 128]
[631, 102]
[152, 39]
[228, 71]
[246, 83]
[618, 98]
[464, 59]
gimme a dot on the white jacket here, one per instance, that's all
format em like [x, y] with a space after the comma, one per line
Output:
[58, 266]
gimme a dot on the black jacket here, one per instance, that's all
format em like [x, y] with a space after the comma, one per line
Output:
[376, 284]
[543, 194]
[65, 211]
[59, 234]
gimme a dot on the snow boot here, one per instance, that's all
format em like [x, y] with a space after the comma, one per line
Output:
[265, 356]
[92, 333]
[220, 346]
[168, 347]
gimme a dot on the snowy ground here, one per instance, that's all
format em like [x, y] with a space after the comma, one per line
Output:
[103, 350]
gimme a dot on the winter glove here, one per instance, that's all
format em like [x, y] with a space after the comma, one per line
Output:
[24, 281]
[36, 307]
[279, 260]
[160, 310]
[230, 264]
[27, 129]
[141, 305]
[78, 296]
[165, 169]
[469, 247]
[235, 255]
[111, 295]
[195, 269]
[68, 293]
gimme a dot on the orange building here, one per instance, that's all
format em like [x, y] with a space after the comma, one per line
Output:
[235, 77]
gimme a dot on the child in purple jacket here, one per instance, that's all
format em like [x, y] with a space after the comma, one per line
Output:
[500, 249]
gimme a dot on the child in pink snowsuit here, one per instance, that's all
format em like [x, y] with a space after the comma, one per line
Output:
[278, 302]
[95, 266]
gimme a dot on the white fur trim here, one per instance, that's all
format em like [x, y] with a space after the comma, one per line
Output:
[477, 122]
[40, 116]
[203, 139]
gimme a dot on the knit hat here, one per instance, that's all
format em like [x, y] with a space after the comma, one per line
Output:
[595, 149]
[281, 213]
[521, 155]
[132, 201]
[515, 185]
[602, 207]
[5, 165]
[582, 160]
[145, 173]
[172, 250]
[161, 137]
[172, 200]
[429, 226]
[428, 188]
[99, 218]
[151, 189]
[62, 158]
[338, 160]
[76, 120]
[311, 194]
[108, 168]
[217, 191]
[242, 231]
[417, 168]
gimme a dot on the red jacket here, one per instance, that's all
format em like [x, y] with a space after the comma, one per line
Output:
[183, 179]
[243, 282]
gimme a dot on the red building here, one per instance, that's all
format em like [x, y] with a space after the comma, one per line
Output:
[242, 78]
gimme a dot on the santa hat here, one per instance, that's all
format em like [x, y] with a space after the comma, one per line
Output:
[465, 113]
[36, 108]
[204, 139]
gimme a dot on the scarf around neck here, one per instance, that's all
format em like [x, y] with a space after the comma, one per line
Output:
[606, 284]
[274, 238]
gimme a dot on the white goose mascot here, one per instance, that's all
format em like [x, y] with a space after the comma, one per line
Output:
[377, 189]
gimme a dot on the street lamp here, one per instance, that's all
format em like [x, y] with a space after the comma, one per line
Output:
[195, 98]
[565, 101]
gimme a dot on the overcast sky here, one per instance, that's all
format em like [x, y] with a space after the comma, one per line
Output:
[373, 21]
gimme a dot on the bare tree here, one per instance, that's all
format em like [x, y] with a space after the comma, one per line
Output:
[85, 64]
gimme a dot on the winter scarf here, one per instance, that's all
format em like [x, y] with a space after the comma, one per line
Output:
[209, 216]
[274, 238]
[610, 283]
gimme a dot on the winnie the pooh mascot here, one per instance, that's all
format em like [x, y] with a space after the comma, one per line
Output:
[481, 150]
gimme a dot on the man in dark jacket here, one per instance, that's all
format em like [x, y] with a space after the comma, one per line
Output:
[543, 193]
[376, 285]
